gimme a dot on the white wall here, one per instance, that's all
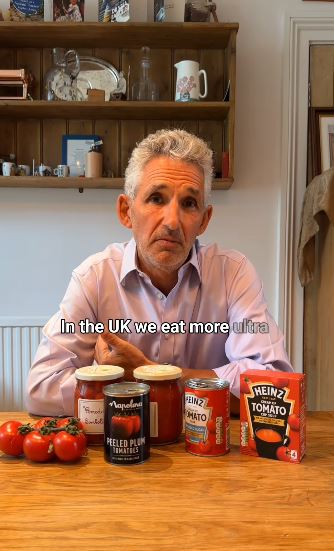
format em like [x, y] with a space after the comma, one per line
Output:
[44, 234]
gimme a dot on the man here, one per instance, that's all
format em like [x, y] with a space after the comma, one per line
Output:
[162, 275]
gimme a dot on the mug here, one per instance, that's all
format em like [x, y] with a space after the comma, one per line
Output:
[8, 169]
[268, 441]
[187, 81]
[61, 171]
[23, 170]
[44, 170]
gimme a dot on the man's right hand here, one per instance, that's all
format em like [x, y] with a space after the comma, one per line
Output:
[123, 354]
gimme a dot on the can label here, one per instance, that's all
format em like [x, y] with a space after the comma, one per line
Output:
[207, 415]
[127, 429]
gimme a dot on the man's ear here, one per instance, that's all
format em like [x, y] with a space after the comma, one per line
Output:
[123, 210]
[206, 219]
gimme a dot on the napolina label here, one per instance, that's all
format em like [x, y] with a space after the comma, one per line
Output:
[126, 423]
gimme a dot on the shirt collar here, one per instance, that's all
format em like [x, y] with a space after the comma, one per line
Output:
[129, 262]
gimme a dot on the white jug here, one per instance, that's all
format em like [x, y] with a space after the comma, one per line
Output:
[187, 81]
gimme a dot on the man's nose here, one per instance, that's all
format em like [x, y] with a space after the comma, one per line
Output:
[172, 215]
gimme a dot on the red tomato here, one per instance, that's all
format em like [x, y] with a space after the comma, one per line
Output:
[69, 447]
[204, 447]
[69, 420]
[281, 382]
[294, 422]
[283, 453]
[46, 421]
[11, 441]
[136, 423]
[122, 426]
[244, 387]
[38, 447]
[211, 425]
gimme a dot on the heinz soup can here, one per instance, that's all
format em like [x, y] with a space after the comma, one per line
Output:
[207, 416]
[126, 423]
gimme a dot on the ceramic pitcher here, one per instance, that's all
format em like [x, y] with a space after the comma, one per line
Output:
[187, 81]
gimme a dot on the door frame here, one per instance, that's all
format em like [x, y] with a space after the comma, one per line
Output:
[301, 31]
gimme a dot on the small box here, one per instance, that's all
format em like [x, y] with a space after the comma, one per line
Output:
[95, 94]
[273, 415]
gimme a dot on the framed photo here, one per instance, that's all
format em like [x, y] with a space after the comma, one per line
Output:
[322, 138]
[74, 150]
[69, 10]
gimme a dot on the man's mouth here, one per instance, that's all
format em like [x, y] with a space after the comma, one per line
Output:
[169, 241]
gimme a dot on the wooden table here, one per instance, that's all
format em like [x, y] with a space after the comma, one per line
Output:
[174, 500]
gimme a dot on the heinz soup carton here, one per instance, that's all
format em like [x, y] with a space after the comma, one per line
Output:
[272, 415]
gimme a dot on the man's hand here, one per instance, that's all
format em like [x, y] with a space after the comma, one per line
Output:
[123, 354]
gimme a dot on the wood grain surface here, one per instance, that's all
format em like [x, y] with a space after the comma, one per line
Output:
[173, 500]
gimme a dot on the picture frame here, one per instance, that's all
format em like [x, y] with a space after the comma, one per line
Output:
[74, 150]
[322, 138]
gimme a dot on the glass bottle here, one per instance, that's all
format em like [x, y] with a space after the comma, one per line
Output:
[166, 400]
[145, 89]
[89, 397]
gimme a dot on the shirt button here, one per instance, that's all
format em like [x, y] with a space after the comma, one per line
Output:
[160, 296]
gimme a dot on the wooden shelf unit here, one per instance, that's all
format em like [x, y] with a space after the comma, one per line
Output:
[33, 129]
[79, 183]
[113, 110]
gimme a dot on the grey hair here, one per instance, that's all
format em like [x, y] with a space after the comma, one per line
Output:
[176, 144]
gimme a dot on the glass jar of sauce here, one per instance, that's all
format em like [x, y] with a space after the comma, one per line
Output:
[89, 398]
[166, 397]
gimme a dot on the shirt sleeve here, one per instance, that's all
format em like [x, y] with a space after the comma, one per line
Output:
[254, 341]
[51, 379]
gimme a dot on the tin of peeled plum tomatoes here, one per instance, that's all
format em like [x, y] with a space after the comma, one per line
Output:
[207, 416]
[126, 423]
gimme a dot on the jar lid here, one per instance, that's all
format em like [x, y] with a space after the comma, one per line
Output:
[124, 390]
[99, 373]
[159, 372]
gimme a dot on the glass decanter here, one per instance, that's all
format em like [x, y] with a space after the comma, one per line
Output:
[60, 79]
[145, 89]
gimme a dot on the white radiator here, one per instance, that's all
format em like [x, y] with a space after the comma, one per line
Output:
[17, 350]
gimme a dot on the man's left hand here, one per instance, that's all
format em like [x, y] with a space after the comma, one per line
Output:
[123, 354]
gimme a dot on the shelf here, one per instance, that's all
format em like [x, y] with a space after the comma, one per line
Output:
[117, 110]
[115, 35]
[80, 183]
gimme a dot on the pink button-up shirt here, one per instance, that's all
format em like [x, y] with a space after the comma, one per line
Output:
[214, 285]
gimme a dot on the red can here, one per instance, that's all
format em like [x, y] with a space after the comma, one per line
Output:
[207, 416]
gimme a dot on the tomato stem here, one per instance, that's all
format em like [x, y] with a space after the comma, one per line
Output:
[25, 429]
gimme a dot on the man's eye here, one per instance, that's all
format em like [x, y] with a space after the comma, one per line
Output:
[190, 203]
[156, 199]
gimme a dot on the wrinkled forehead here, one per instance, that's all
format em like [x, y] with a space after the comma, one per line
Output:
[172, 174]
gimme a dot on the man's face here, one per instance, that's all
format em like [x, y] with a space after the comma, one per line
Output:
[167, 213]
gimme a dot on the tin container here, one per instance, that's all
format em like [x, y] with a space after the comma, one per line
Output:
[166, 396]
[126, 423]
[89, 398]
[207, 416]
